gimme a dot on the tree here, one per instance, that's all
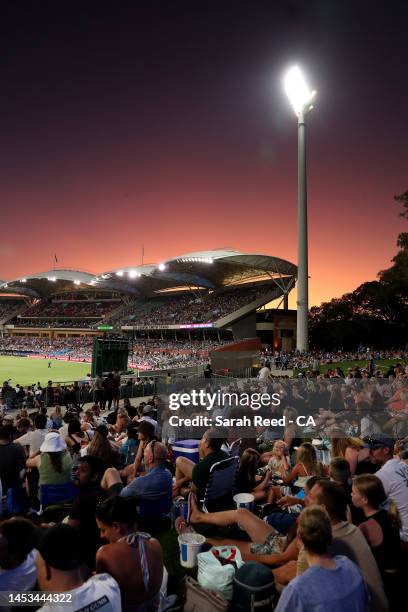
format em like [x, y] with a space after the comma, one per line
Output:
[376, 313]
[403, 199]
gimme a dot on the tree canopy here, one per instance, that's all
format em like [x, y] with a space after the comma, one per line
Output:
[375, 314]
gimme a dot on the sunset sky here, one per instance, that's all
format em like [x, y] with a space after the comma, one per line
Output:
[165, 124]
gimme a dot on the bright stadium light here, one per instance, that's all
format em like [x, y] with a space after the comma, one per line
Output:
[119, 273]
[23, 280]
[301, 97]
[132, 273]
[5, 286]
[297, 90]
[77, 282]
[52, 279]
[162, 267]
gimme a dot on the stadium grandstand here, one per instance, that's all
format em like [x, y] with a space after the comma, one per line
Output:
[208, 296]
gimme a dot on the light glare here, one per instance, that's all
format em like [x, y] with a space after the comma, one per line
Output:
[297, 90]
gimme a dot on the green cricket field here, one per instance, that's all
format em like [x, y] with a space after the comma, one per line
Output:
[25, 371]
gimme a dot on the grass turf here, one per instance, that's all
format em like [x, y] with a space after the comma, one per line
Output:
[382, 364]
[26, 371]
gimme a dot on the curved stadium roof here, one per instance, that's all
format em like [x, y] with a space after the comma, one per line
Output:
[211, 269]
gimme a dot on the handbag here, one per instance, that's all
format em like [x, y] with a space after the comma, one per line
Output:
[199, 599]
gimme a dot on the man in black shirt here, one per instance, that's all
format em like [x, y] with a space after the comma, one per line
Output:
[12, 459]
[82, 514]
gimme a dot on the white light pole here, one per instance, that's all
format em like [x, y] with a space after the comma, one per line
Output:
[301, 97]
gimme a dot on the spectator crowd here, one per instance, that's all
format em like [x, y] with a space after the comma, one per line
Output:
[91, 496]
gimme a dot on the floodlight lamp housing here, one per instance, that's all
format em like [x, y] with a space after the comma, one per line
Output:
[298, 92]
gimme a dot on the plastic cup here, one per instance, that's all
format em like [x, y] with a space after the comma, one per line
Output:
[190, 545]
[245, 500]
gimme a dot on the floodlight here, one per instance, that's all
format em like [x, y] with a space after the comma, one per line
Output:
[132, 273]
[23, 280]
[77, 282]
[297, 90]
[119, 273]
[162, 267]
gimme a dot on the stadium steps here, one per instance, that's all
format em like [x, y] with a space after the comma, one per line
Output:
[13, 313]
[113, 317]
[248, 308]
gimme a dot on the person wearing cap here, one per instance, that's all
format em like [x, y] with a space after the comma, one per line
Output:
[393, 473]
[53, 462]
[148, 412]
[59, 564]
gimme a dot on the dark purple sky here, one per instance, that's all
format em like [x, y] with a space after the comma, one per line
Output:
[165, 124]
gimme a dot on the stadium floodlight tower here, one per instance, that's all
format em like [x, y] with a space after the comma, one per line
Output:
[301, 98]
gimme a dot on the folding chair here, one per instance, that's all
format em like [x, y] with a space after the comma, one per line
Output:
[221, 481]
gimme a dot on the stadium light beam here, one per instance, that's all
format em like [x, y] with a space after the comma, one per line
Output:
[301, 97]
[162, 267]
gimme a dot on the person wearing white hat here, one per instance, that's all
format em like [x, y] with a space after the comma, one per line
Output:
[53, 461]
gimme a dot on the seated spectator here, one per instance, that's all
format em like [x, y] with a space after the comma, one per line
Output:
[381, 528]
[283, 521]
[351, 449]
[12, 460]
[76, 439]
[393, 474]
[98, 419]
[330, 583]
[306, 466]
[247, 480]
[34, 439]
[339, 472]
[122, 421]
[56, 418]
[152, 491]
[145, 435]
[131, 410]
[102, 448]
[82, 514]
[348, 540]
[59, 565]
[277, 459]
[23, 426]
[129, 446]
[148, 412]
[53, 462]
[17, 557]
[187, 471]
[133, 558]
